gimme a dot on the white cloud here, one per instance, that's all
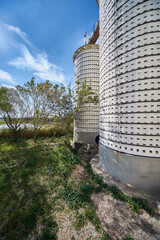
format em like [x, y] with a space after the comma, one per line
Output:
[51, 75]
[39, 64]
[6, 42]
[19, 32]
[31, 58]
[6, 77]
[7, 86]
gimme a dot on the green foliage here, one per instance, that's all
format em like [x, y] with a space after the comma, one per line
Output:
[64, 105]
[72, 197]
[38, 103]
[72, 238]
[84, 94]
[91, 215]
[128, 237]
[86, 188]
[68, 106]
[49, 230]
[33, 183]
[12, 110]
[5, 104]
[25, 198]
[79, 196]
[57, 130]
[38, 99]
[80, 220]
[105, 236]
[135, 204]
[2, 122]
[21, 201]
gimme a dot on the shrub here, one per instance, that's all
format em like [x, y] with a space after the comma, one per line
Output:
[56, 130]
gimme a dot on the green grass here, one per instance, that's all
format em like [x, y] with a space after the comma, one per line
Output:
[34, 186]
[29, 175]
[77, 196]
[2, 122]
[50, 229]
[105, 236]
[128, 237]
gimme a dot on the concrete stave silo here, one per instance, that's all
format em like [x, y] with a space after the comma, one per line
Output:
[86, 61]
[130, 91]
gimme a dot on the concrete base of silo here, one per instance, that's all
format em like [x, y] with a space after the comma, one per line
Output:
[141, 172]
[86, 137]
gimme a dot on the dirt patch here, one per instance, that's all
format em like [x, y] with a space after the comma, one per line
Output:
[154, 201]
[116, 217]
[66, 230]
[78, 174]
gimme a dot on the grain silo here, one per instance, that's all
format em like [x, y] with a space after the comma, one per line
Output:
[86, 61]
[130, 91]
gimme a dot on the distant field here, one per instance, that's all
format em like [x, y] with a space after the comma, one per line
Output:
[2, 122]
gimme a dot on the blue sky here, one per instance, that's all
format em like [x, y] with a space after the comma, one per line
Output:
[39, 37]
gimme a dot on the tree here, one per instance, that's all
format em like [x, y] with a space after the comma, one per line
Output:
[36, 103]
[12, 109]
[69, 104]
[38, 99]
[64, 105]
[84, 94]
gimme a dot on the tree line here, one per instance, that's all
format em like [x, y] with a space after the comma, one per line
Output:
[38, 103]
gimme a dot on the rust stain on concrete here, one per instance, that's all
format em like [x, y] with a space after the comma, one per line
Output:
[117, 153]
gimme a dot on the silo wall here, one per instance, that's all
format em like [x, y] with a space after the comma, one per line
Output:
[130, 91]
[86, 62]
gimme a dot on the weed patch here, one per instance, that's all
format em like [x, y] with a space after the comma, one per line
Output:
[105, 236]
[80, 220]
[77, 196]
[72, 197]
[91, 215]
[128, 237]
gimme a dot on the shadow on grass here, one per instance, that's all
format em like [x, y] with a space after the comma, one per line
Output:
[23, 198]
